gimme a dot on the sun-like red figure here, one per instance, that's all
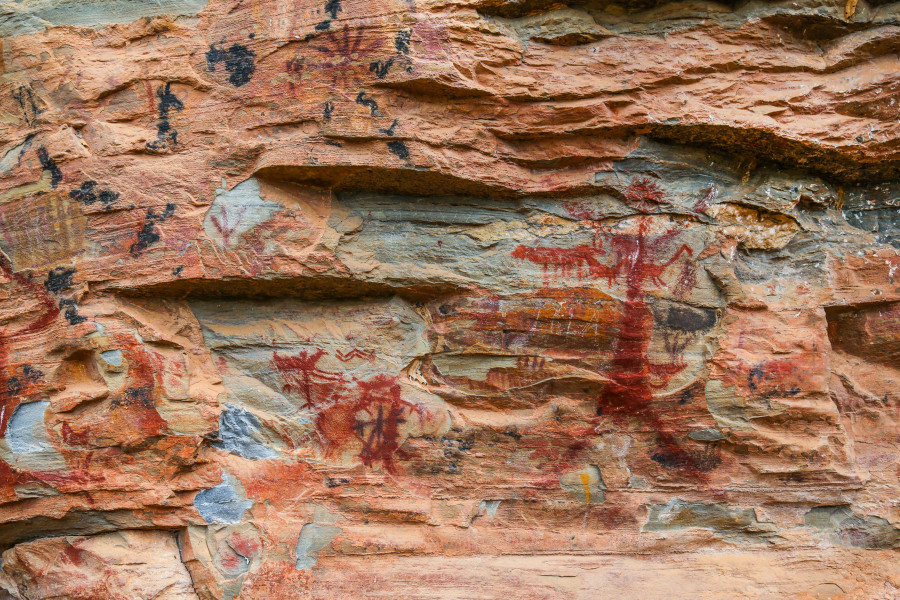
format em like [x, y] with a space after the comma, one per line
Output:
[645, 195]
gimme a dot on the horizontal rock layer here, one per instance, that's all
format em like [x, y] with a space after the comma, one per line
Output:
[424, 299]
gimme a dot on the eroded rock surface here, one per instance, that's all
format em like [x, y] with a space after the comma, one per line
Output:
[469, 299]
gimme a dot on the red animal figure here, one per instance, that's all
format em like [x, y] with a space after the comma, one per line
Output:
[637, 263]
[301, 375]
[583, 259]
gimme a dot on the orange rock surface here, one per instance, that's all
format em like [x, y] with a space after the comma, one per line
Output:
[473, 299]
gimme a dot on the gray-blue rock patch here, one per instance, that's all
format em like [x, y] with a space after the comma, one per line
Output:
[240, 433]
[222, 504]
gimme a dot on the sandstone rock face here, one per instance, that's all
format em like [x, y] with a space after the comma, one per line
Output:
[471, 299]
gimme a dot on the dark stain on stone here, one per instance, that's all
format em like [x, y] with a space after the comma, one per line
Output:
[27, 374]
[164, 131]
[148, 234]
[89, 194]
[59, 279]
[49, 166]
[690, 319]
[677, 458]
[140, 396]
[399, 149]
[238, 59]
[70, 309]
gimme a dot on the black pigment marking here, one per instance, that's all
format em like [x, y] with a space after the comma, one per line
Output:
[177, 271]
[333, 482]
[704, 461]
[71, 311]
[328, 110]
[31, 374]
[164, 131]
[25, 146]
[137, 396]
[369, 103]
[381, 68]
[88, 194]
[25, 97]
[513, 433]
[399, 149]
[148, 234]
[401, 42]
[690, 319]
[27, 374]
[390, 130]
[48, 164]
[59, 279]
[333, 7]
[456, 446]
[13, 386]
[755, 377]
[238, 62]
[334, 143]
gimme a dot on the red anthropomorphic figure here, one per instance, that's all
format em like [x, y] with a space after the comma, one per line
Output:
[639, 260]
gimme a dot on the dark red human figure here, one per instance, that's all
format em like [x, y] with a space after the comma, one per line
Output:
[637, 260]
[379, 412]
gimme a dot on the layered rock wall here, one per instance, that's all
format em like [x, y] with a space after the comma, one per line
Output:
[449, 299]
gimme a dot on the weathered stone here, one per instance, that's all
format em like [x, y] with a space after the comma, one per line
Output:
[418, 300]
[123, 564]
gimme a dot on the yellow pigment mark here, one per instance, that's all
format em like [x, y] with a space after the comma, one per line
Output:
[586, 479]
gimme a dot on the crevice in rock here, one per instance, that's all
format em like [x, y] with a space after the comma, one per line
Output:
[73, 523]
[301, 288]
[844, 166]
[417, 181]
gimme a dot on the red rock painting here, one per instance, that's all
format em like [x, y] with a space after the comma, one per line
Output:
[368, 413]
